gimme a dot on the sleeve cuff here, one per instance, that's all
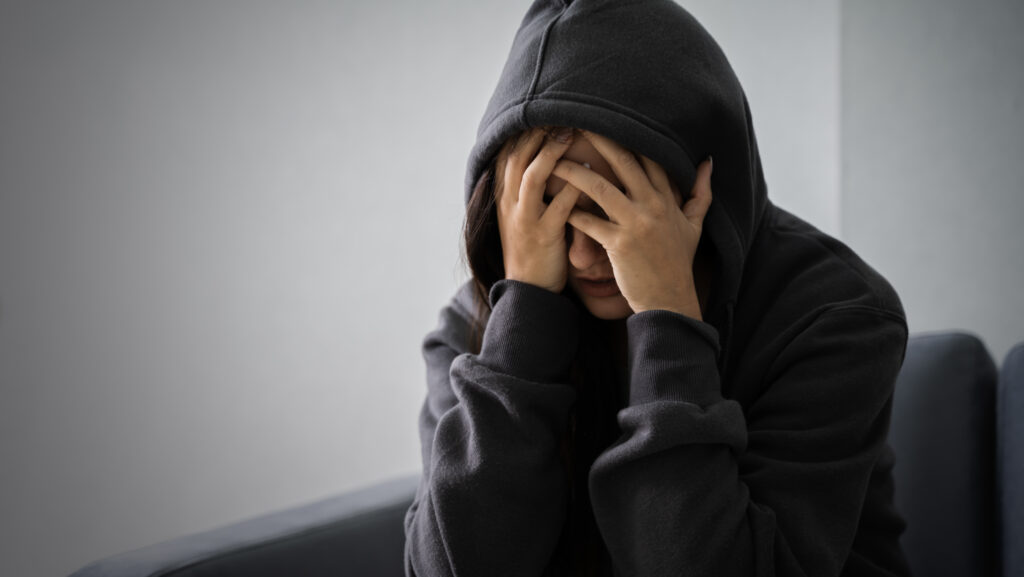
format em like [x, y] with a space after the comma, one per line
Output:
[672, 357]
[532, 333]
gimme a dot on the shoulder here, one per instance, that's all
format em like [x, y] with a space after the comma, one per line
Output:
[812, 320]
[797, 271]
[454, 320]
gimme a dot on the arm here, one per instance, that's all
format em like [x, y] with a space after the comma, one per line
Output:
[695, 486]
[492, 498]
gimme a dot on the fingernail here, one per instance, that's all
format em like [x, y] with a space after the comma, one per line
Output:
[711, 163]
[563, 134]
[587, 164]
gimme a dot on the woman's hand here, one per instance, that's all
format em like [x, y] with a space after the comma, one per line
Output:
[650, 241]
[532, 233]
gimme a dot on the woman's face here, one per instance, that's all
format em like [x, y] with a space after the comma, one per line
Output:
[587, 258]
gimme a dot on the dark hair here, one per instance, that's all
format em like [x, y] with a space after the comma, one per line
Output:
[592, 424]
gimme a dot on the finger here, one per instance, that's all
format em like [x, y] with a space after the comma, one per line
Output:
[519, 155]
[657, 176]
[623, 162]
[595, 227]
[697, 207]
[605, 194]
[535, 178]
[557, 212]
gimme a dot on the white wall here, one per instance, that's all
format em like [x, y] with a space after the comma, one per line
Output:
[933, 143]
[226, 226]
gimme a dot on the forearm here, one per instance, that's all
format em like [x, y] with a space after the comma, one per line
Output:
[493, 499]
[693, 486]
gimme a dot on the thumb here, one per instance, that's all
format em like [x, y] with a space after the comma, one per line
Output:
[700, 196]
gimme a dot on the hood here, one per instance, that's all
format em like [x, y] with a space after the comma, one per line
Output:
[646, 74]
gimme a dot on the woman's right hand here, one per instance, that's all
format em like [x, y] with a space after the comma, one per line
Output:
[532, 232]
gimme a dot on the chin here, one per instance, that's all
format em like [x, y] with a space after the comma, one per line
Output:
[611, 308]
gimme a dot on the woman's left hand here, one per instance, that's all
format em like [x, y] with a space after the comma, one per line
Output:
[651, 241]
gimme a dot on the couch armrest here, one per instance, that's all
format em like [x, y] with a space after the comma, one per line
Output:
[355, 533]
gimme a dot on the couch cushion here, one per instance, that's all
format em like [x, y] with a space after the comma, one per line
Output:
[1010, 466]
[943, 435]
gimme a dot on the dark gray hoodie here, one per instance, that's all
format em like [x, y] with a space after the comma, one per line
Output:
[751, 443]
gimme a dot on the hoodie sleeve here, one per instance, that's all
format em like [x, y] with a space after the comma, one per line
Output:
[695, 486]
[492, 497]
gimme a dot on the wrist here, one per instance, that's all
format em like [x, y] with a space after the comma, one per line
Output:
[689, 309]
[684, 302]
[531, 332]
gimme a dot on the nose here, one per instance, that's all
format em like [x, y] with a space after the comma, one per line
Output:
[584, 252]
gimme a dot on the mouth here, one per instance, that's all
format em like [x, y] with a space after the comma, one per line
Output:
[598, 287]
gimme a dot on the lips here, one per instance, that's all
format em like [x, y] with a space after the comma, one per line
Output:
[598, 288]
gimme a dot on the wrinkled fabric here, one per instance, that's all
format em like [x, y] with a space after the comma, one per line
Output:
[752, 442]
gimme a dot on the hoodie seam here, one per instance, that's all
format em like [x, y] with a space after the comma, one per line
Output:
[824, 312]
[860, 308]
[879, 303]
[541, 53]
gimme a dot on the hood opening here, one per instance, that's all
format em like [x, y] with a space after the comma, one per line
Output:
[646, 74]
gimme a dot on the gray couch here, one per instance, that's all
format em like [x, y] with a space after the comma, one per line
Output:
[957, 432]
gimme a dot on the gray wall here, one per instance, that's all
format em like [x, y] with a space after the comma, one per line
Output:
[789, 68]
[932, 149]
[226, 226]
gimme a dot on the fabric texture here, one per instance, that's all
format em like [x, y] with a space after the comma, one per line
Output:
[943, 436]
[1011, 459]
[750, 443]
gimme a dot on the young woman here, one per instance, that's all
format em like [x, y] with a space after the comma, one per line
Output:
[721, 405]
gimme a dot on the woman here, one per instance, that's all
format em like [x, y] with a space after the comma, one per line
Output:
[721, 407]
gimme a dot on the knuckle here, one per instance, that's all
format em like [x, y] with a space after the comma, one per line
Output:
[661, 207]
[550, 152]
[602, 187]
[645, 225]
[515, 159]
[530, 179]
[627, 159]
